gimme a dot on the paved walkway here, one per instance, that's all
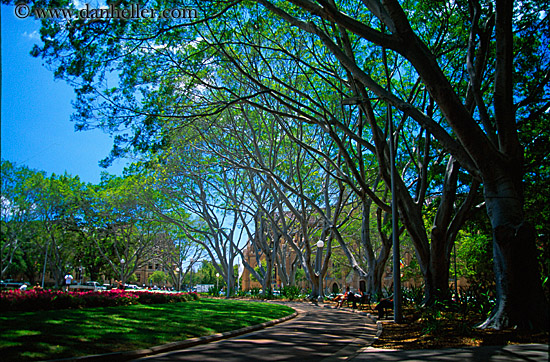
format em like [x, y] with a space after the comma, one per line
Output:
[316, 334]
[320, 333]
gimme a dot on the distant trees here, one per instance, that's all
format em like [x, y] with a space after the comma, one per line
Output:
[158, 278]
[59, 224]
[39, 218]
[17, 221]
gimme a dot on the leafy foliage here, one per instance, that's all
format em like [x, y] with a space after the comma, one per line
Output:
[475, 260]
[291, 292]
[158, 278]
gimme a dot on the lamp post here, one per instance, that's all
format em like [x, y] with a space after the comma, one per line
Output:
[320, 245]
[456, 280]
[217, 281]
[394, 217]
[395, 237]
[191, 275]
[45, 262]
[397, 314]
[81, 271]
[179, 276]
[122, 281]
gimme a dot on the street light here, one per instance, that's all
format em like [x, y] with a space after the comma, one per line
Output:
[179, 276]
[80, 271]
[191, 275]
[397, 314]
[122, 281]
[45, 262]
[320, 245]
[217, 281]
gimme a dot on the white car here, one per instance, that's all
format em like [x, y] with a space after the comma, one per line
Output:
[96, 285]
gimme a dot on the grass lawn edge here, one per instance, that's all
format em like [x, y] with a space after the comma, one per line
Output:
[121, 332]
[173, 346]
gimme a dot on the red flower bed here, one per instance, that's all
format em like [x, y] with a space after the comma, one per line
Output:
[33, 300]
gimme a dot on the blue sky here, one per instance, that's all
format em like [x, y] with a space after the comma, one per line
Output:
[36, 130]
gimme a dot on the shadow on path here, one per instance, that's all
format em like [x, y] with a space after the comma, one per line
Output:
[318, 333]
[522, 352]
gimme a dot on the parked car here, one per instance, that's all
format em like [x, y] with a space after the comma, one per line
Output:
[10, 284]
[96, 285]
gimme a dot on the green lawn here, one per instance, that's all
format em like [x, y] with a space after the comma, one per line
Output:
[69, 333]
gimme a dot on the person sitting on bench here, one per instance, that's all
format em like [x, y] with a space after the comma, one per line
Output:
[357, 298]
[348, 296]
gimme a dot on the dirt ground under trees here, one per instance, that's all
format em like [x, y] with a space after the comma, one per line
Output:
[436, 330]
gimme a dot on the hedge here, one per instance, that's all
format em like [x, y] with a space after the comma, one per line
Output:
[32, 300]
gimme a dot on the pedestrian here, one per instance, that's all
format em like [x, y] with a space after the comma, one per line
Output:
[68, 280]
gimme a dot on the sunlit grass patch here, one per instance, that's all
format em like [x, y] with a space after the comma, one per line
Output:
[58, 334]
[55, 322]
[23, 332]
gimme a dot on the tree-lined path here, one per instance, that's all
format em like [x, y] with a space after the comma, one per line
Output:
[328, 334]
[289, 130]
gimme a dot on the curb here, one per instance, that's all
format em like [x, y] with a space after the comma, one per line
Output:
[130, 355]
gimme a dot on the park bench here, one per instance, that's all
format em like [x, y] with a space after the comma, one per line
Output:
[364, 302]
[361, 303]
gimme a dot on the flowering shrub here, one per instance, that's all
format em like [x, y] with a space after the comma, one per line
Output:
[32, 300]
[161, 298]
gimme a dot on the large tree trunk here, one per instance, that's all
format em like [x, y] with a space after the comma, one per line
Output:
[417, 232]
[520, 298]
[374, 286]
[315, 291]
[439, 269]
